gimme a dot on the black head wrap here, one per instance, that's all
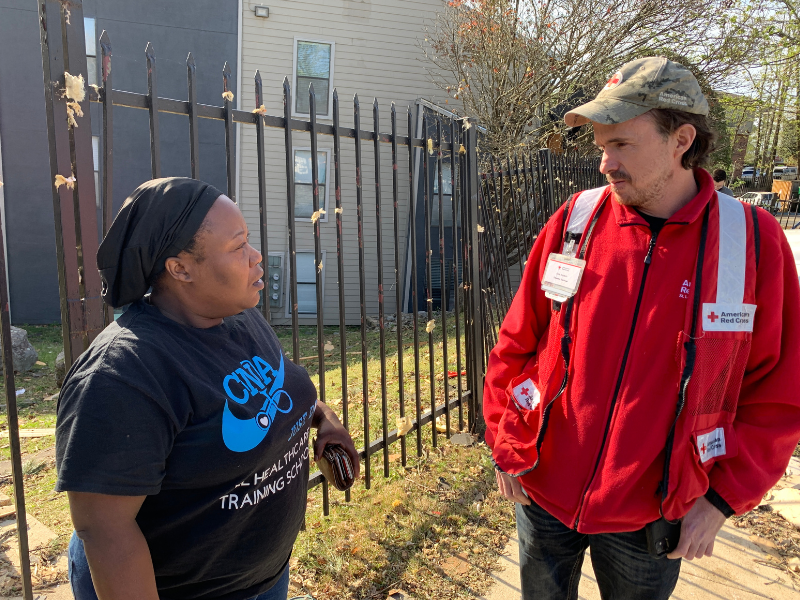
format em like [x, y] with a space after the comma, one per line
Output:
[157, 221]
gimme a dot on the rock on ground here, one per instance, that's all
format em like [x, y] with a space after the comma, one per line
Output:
[61, 369]
[22, 350]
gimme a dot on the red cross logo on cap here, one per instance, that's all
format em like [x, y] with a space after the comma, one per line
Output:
[713, 317]
[615, 80]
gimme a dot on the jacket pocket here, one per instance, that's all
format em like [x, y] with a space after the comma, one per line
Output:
[720, 361]
[516, 451]
[714, 443]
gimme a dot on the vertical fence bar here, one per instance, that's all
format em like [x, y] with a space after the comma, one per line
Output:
[13, 428]
[84, 193]
[108, 131]
[426, 198]
[535, 196]
[545, 155]
[414, 281]
[230, 151]
[287, 123]
[443, 279]
[454, 200]
[397, 292]
[108, 145]
[362, 289]
[194, 133]
[72, 315]
[497, 214]
[466, 274]
[516, 192]
[517, 236]
[473, 205]
[525, 200]
[381, 313]
[337, 170]
[262, 195]
[152, 104]
[499, 208]
[318, 266]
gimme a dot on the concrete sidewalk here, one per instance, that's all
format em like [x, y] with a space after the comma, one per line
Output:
[733, 573]
[793, 235]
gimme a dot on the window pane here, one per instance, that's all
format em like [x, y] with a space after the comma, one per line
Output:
[306, 298]
[446, 183]
[90, 35]
[302, 166]
[321, 87]
[303, 201]
[305, 268]
[91, 70]
[96, 151]
[313, 60]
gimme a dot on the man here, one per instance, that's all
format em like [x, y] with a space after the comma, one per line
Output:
[721, 182]
[656, 372]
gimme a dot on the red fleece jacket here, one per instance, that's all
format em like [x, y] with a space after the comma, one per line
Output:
[600, 457]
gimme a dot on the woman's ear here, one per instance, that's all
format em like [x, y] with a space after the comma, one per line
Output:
[177, 269]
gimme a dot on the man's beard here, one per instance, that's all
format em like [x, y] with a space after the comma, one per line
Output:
[638, 197]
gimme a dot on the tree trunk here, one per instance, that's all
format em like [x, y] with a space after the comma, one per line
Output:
[779, 117]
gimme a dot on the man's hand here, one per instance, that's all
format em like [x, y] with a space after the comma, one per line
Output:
[510, 488]
[331, 431]
[699, 529]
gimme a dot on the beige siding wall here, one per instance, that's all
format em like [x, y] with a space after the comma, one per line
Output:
[376, 55]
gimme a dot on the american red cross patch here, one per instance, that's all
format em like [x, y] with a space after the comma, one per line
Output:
[526, 395]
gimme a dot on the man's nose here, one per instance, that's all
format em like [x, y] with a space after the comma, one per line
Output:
[608, 164]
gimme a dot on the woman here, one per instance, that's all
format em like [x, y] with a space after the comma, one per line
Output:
[182, 435]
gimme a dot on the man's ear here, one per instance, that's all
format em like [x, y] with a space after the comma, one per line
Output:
[684, 137]
[177, 269]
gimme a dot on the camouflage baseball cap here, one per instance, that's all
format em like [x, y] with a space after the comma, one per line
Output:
[639, 86]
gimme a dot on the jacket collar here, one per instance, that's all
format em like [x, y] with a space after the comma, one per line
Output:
[627, 215]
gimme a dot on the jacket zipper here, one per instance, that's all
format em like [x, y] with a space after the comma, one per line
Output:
[647, 260]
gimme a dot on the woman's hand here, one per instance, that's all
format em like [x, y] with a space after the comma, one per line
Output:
[331, 431]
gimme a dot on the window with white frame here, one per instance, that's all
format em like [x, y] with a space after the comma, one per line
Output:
[96, 158]
[306, 284]
[313, 64]
[304, 183]
[90, 34]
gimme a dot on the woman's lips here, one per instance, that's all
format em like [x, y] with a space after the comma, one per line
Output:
[259, 284]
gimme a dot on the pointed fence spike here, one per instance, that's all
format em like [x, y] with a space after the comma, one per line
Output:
[257, 76]
[150, 51]
[190, 60]
[335, 95]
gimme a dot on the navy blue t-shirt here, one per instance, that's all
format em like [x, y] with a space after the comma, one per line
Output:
[212, 426]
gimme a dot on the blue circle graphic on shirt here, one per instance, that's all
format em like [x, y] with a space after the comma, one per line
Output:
[253, 378]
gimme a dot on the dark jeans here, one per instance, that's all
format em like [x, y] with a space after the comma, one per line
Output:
[80, 579]
[551, 556]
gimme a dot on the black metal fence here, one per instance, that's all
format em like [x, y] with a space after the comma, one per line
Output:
[786, 210]
[518, 196]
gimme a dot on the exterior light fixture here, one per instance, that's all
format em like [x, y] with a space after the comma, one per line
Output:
[261, 11]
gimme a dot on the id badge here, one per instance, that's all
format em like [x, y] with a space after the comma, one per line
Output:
[562, 276]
